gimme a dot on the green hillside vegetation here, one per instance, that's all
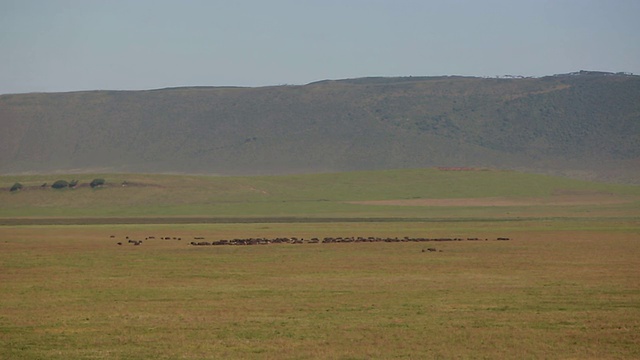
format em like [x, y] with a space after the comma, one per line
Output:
[583, 125]
[331, 195]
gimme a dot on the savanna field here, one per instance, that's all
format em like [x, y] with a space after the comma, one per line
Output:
[565, 285]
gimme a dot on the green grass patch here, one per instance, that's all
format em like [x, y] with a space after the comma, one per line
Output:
[318, 195]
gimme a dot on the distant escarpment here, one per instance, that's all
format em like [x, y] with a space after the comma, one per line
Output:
[584, 124]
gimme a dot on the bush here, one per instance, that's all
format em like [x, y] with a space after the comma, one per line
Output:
[60, 184]
[96, 182]
[17, 186]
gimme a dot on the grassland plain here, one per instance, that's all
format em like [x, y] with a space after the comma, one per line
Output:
[334, 195]
[565, 285]
[555, 290]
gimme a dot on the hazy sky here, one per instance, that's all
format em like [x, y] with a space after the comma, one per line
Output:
[67, 45]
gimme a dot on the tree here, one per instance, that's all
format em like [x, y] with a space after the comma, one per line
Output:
[16, 187]
[60, 184]
[96, 183]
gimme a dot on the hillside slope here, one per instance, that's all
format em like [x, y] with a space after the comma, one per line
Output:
[585, 125]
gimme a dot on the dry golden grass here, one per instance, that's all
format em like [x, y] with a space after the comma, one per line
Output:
[556, 290]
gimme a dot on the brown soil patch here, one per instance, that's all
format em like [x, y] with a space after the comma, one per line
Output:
[556, 200]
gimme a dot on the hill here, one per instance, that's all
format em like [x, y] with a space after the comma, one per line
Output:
[583, 124]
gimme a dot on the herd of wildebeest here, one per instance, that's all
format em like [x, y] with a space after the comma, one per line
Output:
[200, 241]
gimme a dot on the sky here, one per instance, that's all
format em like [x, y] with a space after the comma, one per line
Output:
[73, 45]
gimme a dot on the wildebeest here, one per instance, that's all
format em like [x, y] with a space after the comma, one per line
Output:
[327, 240]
